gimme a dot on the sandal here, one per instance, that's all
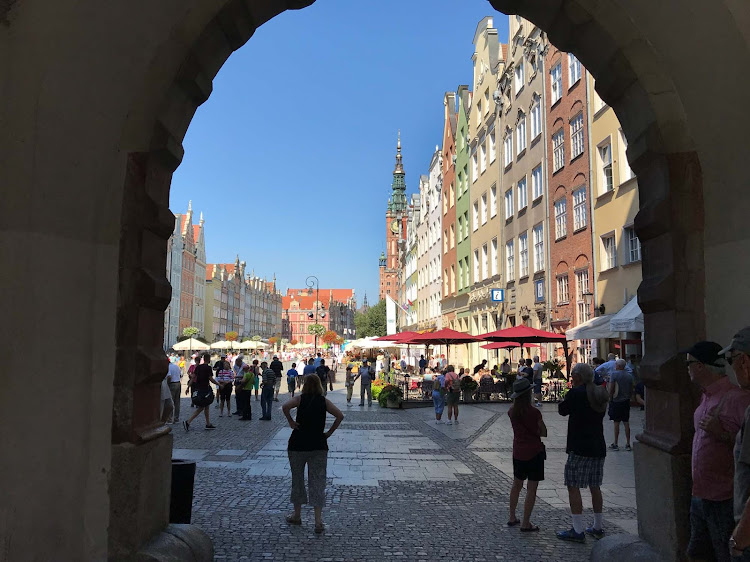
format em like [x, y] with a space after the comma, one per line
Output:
[292, 521]
[319, 528]
[514, 523]
[532, 529]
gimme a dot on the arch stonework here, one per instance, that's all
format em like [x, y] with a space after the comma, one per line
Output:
[97, 98]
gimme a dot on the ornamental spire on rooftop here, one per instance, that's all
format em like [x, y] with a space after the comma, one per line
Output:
[398, 201]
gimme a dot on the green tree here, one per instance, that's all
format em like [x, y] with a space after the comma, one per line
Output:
[256, 338]
[372, 322]
[316, 329]
[190, 331]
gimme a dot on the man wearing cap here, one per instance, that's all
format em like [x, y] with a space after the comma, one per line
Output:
[277, 367]
[717, 420]
[737, 355]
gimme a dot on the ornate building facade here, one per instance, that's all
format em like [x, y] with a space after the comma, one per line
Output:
[335, 311]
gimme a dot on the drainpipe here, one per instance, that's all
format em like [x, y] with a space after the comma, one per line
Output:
[590, 196]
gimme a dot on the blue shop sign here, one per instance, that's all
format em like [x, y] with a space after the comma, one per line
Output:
[539, 290]
[497, 295]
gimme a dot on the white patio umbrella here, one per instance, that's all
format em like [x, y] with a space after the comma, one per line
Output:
[190, 344]
[220, 345]
[249, 344]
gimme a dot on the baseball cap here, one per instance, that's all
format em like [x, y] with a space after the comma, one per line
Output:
[708, 352]
[740, 342]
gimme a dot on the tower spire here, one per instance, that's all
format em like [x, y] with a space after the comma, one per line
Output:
[398, 198]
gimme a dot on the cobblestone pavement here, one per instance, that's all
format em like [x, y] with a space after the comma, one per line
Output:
[400, 487]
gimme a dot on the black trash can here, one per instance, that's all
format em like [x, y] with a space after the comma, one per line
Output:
[181, 498]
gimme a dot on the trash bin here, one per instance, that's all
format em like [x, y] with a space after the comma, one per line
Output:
[181, 497]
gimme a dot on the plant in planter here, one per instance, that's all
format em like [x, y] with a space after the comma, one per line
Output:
[390, 396]
[468, 386]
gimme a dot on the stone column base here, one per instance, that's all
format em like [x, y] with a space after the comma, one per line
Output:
[623, 548]
[662, 496]
[178, 543]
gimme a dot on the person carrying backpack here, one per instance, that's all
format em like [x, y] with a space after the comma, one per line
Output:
[322, 371]
[291, 379]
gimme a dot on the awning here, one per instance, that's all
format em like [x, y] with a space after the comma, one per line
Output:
[594, 329]
[629, 319]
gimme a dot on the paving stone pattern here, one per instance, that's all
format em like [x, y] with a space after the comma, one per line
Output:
[399, 487]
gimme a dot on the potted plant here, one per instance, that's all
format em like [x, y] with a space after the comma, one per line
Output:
[468, 386]
[390, 396]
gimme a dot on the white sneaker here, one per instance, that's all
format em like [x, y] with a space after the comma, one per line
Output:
[449, 422]
[456, 422]
[438, 422]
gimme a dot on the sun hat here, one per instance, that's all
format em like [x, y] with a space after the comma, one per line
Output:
[521, 386]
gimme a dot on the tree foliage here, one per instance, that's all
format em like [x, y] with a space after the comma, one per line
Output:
[231, 336]
[190, 331]
[340, 340]
[294, 342]
[372, 322]
[256, 338]
[330, 336]
[316, 329]
[272, 340]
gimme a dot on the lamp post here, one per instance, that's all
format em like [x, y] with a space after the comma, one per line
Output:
[311, 282]
[588, 299]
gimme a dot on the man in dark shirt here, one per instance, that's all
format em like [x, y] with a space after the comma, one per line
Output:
[528, 371]
[585, 404]
[422, 364]
[322, 372]
[266, 393]
[277, 367]
[480, 367]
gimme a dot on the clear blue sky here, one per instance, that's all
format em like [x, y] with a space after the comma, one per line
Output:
[291, 158]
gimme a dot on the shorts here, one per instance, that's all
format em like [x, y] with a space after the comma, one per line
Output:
[532, 469]
[538, 387]
[277, 384]
[225, 392]
[256, 384]
[711, 525]
[451, 398]
[292, 386]
[584, 472]
[619, 411]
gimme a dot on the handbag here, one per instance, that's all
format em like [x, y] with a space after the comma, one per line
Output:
[202, 398]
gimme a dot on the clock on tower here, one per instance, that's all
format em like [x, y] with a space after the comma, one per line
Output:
[394, 226]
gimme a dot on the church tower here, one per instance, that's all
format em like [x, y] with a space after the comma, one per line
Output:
[395, 229]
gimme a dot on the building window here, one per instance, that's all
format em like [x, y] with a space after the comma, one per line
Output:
[561, 219]
[460, 275]
[445, 241]
[445, 203]
[485, 261]
[518, 77]
[475, 215]
[453, 236]
[523, 254]
[484, 208]
[453, 198]
[509, 203]
[609, 252]
[510, 264]
[626, 172]
[574, 69]
[486, 102]
[634, 245]
[556, 79]
[538, 248]
[453, 279]
[460, 229]
[558, 150]
[483, 157]
[493, 201]
[474, 167]
[466, 225]
[521, 134]
[493, 147]
[536, 118]
[563, 295]
[582, 287]
[579, 208]
[493, 257]
[479, 111]
[537, 189]
[576, 136]
[476, 264]
[522, 194]
[466, 272]
[605, 166]
[508, 149]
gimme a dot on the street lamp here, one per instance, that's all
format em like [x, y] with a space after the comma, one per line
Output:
[588, 298]
[311, 282]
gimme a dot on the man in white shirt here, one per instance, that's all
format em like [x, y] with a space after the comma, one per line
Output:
[174, 376]
[604, 370]
[538, 372]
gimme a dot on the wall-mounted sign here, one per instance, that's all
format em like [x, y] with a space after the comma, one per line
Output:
[497, 295]
[539, 290]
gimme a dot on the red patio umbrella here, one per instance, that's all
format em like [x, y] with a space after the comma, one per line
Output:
[400, 337]
[526, 334]
[445, 337]
[506, 344]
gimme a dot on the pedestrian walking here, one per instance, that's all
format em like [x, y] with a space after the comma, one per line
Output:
[308, 446]
[201, 393]
[309, 369]
[738, 356]
[717, 420]
[220, 364]
[291, 379]
[528, 453]
[174, 376]
[528, 371]
[267, 388]
[349, 383]
[278, 368]
[620, 388]
[585, 404]
[323, 371]
[366, 375]
[238, 377]
[166, 408]
[451, 384]
[438, 396]
[258, 375]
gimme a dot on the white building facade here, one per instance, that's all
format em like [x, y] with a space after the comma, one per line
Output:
[174, 276]
[434, 216]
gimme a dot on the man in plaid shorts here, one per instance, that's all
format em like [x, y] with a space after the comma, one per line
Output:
[585, 404]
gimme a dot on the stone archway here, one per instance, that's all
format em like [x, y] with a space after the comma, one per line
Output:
[97, 101]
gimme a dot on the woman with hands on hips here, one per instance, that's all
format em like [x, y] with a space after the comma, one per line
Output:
[308, 446]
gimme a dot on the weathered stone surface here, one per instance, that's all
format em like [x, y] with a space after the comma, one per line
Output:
[623, 548]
